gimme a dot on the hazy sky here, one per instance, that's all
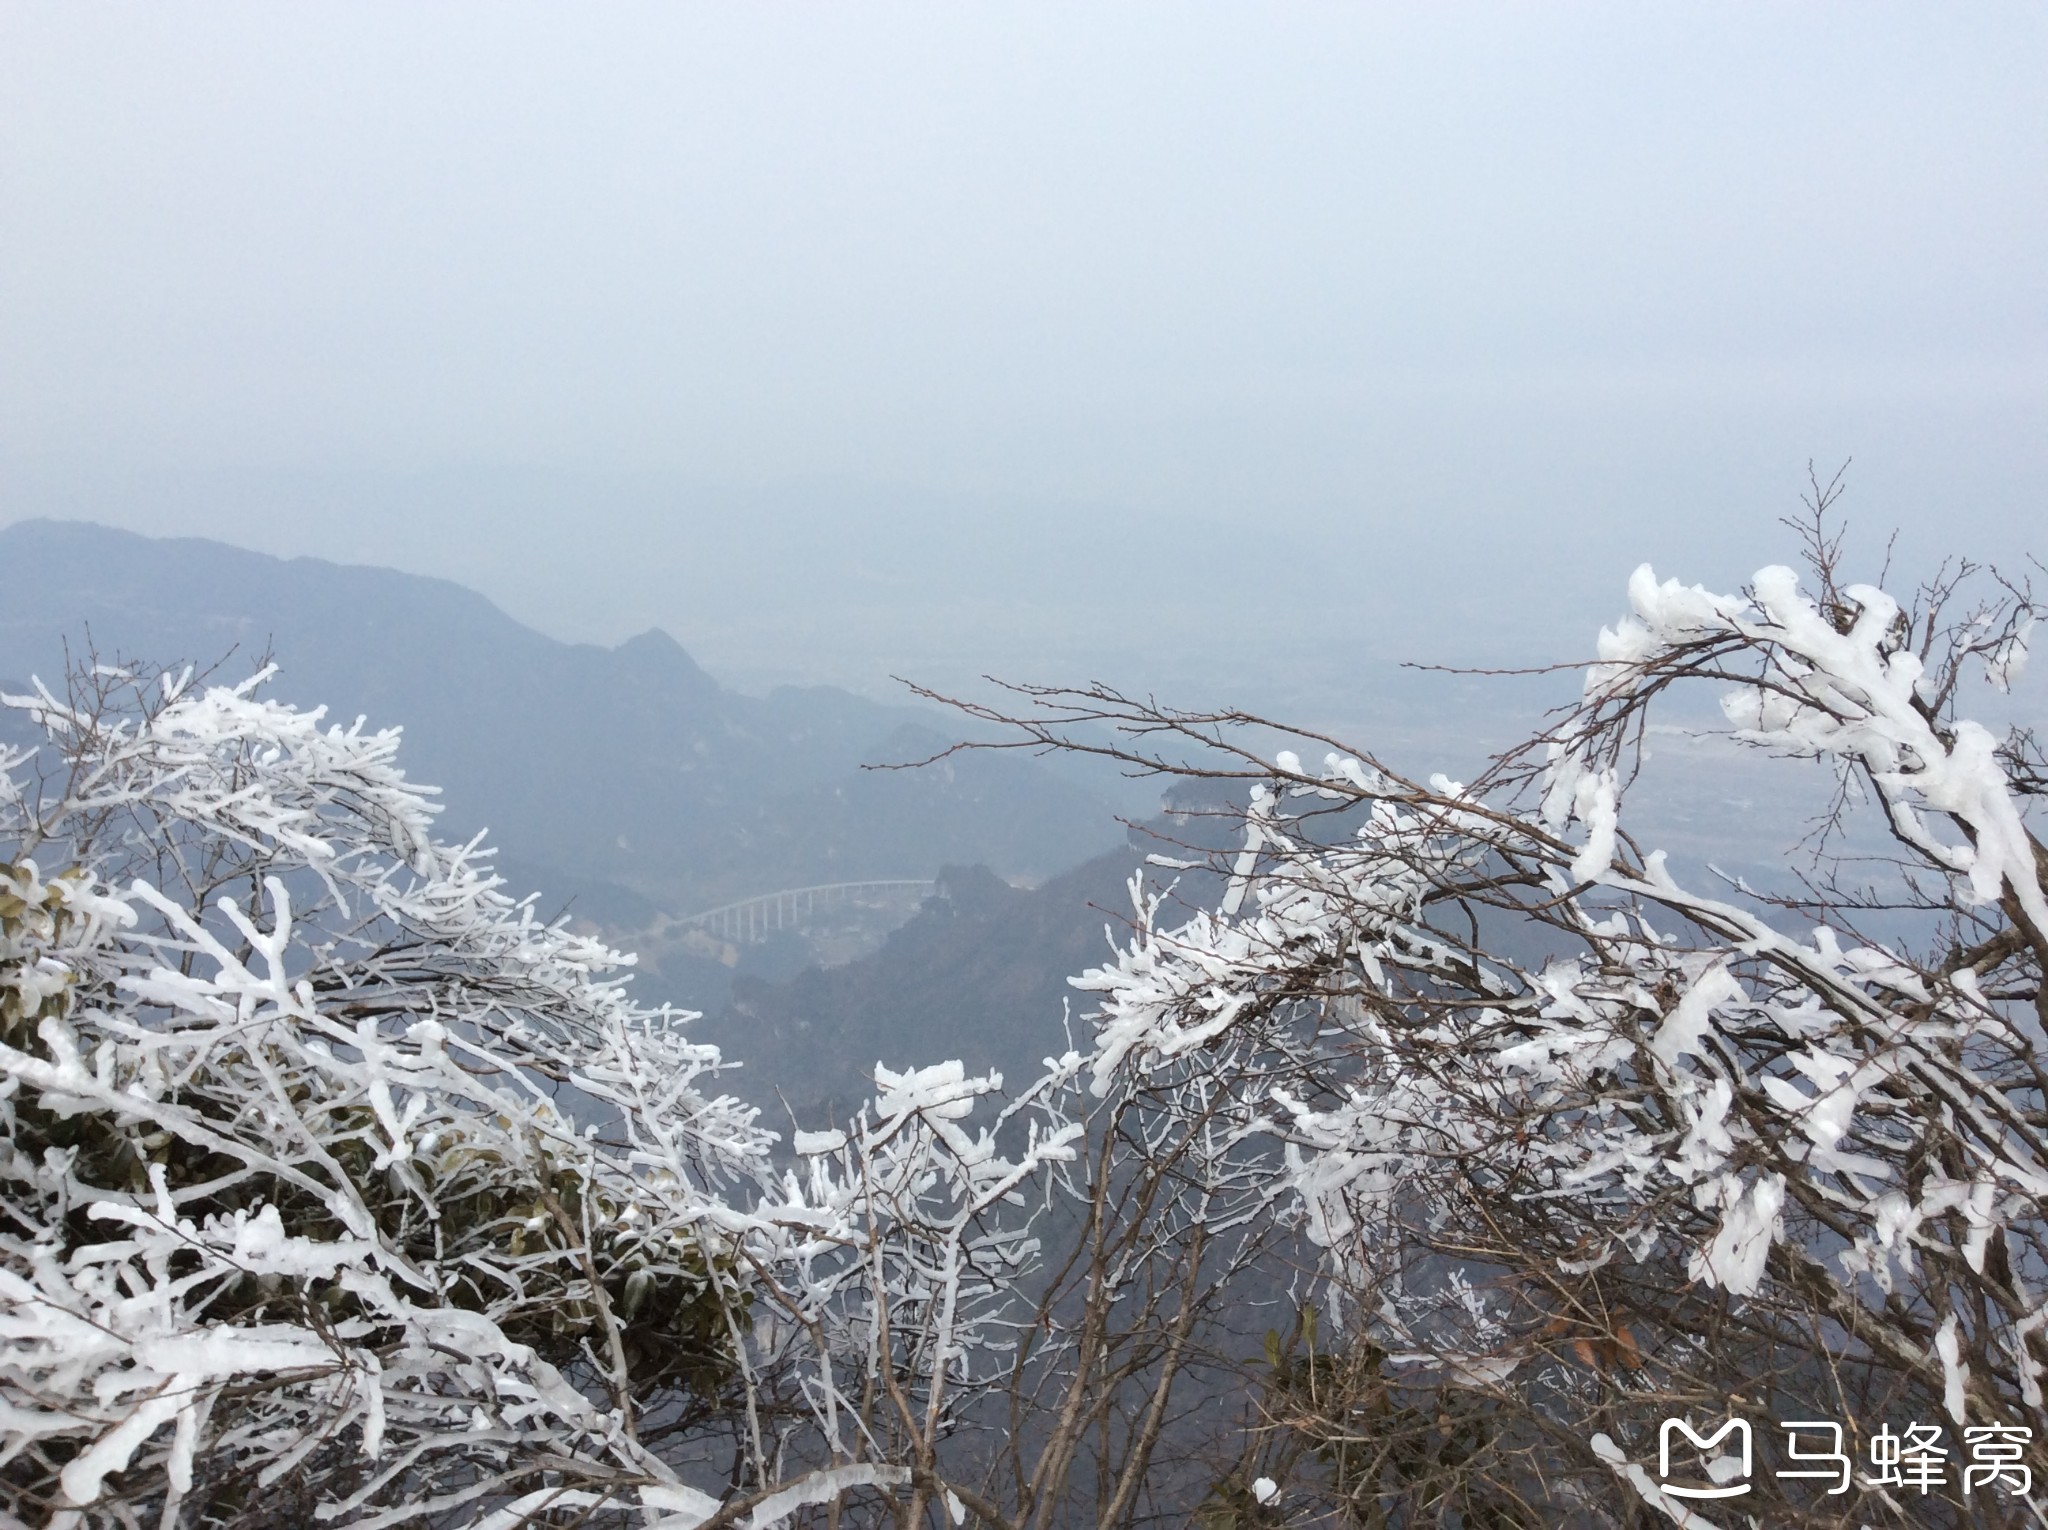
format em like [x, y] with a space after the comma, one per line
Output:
[841, 339]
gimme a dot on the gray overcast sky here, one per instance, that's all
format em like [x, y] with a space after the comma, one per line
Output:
[838, 339]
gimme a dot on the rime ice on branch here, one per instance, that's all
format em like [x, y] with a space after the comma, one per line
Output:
[337, 1182]
[1581, 1146]
[334, 1182]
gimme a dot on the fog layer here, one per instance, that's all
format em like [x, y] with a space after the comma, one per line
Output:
[1193, 344]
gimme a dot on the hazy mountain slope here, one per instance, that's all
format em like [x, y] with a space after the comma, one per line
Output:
[980, 974]
[628, 766]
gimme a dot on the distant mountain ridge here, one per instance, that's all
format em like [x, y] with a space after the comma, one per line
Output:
[628, 768]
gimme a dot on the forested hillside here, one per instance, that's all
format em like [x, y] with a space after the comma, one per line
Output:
[981, 973]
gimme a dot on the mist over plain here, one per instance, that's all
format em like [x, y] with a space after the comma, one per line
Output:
[1241, 354]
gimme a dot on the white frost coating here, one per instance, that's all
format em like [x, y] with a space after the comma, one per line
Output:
[1686, 1081]
[1683, 1028]
[1955, 1371]
[1256, 814]
[1750, 1224]
[1860, 703]
[2004, 664]
[941, 1090]
[376, 1044]
[112, 1451]
[693, 1507]
[1595, 803]
[520, 1512]
[823, 1487]
[1644, 1486]
[1691, 1081]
